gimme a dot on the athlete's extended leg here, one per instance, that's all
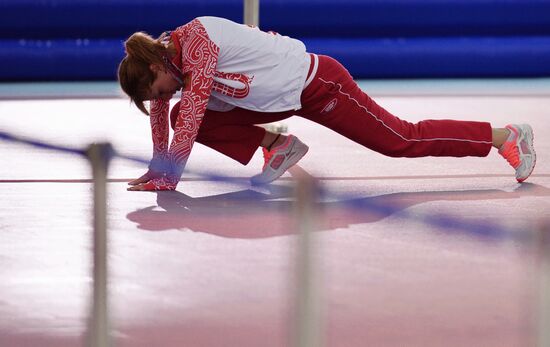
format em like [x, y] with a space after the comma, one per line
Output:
[334, 100]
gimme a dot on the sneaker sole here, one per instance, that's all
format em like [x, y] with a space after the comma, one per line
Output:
[529, 140]
[291, 163]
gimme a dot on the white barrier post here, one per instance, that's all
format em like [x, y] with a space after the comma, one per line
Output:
[98, 334]
[543, 328]
[252, 17]
[252, 12]
[308, 308]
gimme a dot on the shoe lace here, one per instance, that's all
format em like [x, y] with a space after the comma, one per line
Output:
[267, 156]
[511, 154]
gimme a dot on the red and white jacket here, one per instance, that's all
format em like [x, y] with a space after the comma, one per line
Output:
[229, 65]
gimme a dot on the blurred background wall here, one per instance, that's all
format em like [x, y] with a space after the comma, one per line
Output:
[81, 40]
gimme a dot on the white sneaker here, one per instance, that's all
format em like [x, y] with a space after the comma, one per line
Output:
[518, 150]
[280, 159]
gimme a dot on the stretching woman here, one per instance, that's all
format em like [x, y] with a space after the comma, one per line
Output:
[233, 77]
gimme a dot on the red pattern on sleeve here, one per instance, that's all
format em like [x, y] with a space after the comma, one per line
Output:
[159, 132]
[199, 59]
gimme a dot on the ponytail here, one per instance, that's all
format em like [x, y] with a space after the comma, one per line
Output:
[134, 75]
[142, 46]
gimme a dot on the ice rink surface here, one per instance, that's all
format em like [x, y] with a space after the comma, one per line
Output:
[213, 263]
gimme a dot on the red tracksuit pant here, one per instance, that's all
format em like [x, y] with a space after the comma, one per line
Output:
[334, 100]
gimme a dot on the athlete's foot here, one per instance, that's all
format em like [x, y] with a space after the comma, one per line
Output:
[518, 150]
[279, 159]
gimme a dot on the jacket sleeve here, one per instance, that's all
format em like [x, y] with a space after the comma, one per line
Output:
[199, 60]
[159, 132]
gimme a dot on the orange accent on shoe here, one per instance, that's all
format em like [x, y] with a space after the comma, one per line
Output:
[509, 149]
[267, 157]
[269, 154]
[277, 162]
